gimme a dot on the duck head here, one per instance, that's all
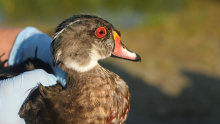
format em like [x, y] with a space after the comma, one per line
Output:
[80, 41]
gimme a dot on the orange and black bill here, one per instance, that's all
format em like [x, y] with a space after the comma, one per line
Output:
[120, 51]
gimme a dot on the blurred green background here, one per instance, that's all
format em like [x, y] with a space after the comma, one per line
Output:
[178, 80]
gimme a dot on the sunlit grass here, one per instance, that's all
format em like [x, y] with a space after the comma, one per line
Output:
[188, 40]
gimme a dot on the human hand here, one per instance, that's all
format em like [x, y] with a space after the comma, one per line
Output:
[14, 91]
[32, 43]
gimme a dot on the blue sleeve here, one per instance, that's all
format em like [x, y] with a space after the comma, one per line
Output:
[25, 46]
[24, 42]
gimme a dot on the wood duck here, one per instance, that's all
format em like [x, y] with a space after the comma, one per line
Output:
[92, 94]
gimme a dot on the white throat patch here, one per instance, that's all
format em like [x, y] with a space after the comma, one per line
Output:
[72, 64]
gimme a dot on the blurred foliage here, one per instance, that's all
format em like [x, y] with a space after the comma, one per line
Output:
[17, 10]
[50, 12]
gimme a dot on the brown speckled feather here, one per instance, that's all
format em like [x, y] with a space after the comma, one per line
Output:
[101, 97]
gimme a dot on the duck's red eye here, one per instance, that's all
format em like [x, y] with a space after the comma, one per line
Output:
[100, 32]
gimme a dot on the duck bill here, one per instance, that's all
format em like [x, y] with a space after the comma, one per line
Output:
[120, 50]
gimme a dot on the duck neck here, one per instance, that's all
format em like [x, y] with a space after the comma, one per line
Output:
[76, 78]
[75, 66]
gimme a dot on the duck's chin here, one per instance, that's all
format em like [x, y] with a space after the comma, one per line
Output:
[78, 66]
[74, 65]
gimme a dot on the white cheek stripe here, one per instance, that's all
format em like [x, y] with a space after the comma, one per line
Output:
[59, 52]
